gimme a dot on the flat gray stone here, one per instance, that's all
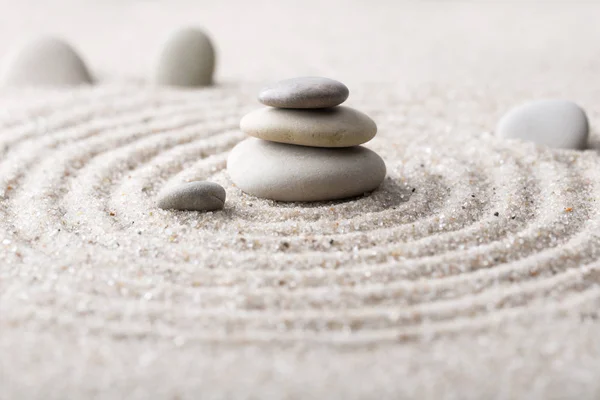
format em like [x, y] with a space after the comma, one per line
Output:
[328, 127]
[186, 58]
[554, 123]
[304, 92]
[286, 172]
[45, 61]
[193, 196]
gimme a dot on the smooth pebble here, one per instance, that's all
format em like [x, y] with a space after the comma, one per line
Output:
[286, 172]
[45, 61]
[193, 196]
[554, 123]
[186, 58]
[329, 127]
[304, 92]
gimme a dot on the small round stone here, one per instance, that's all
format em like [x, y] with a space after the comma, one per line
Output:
[554, 123]
[193, 196]
[186, 58]
[328, 127]
[286, 172]
[304, 92]
[45, 61]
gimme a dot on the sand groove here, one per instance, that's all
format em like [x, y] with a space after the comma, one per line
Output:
[465, 233]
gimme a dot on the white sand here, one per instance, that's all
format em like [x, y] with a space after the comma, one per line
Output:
[426, 294]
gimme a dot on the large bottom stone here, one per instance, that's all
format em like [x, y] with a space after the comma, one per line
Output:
[287, 172]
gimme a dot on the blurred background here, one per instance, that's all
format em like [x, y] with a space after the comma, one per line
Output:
[262, 40]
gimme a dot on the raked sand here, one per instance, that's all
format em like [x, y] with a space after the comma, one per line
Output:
[471, 273]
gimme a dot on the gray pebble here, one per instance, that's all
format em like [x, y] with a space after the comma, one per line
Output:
[554, 123]
[45, 61]
[304, 92]
[287, 172]
[187, 58]
[193, 196]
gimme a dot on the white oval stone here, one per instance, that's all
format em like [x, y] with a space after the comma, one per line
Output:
[45, 61]
[186, 58]
[286, 172]
[554, 123]
[329, 127]
[193, 196]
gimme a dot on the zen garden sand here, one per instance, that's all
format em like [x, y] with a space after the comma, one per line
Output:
[470, 271]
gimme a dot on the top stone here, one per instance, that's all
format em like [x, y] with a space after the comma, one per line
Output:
[304, 92]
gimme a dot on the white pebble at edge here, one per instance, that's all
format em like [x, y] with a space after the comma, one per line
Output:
[554, 123]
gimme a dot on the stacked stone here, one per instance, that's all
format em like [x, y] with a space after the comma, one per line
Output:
[305, 146]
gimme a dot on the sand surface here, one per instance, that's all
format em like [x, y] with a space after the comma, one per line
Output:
[471, 273]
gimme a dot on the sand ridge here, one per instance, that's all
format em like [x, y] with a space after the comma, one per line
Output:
[472, 273]
[467, 233]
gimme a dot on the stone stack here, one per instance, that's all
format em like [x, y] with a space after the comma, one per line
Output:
[305, 146]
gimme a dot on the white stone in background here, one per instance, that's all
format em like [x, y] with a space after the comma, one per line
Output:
[193, 196]
[186, 58]
[45, 61]
[329, 127]
[554, 123]
[286, 172]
